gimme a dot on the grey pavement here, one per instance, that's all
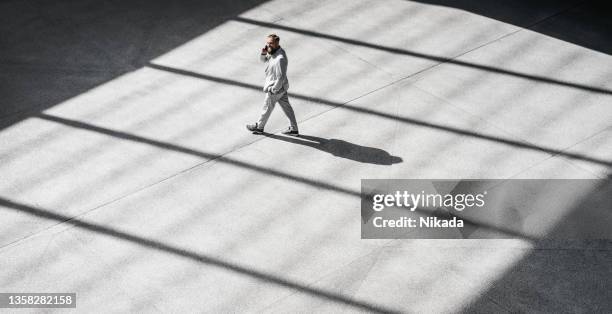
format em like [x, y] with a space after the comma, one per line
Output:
[128, 176]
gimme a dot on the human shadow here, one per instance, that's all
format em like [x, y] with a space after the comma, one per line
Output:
[342, 149]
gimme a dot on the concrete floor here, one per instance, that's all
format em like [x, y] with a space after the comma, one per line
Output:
[128, 176]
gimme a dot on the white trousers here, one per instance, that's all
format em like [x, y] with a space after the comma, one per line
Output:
[269, 102]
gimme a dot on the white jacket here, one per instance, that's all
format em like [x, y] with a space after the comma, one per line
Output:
[276, 71]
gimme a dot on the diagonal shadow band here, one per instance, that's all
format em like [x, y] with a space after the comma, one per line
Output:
[439, 59]
[194, 256]
[241, 164]
[193, 152]
[347, 106]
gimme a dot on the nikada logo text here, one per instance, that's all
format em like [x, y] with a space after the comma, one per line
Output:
[423, 222]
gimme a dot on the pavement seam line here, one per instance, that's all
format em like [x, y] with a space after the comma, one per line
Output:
[362, 59]
[565, 149]
[319, 279]
[126, 195]
[560, 152]
[451, 58]
[511, 135]
[597, 175]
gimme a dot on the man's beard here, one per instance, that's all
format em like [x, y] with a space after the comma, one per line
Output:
[272, 50]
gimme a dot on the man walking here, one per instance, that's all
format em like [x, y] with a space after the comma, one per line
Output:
[275, 86]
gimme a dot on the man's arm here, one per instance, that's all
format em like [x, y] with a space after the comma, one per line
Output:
[281, 73]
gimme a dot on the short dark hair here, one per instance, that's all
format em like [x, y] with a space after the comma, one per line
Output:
[275, 37]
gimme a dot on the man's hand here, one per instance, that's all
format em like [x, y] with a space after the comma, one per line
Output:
[264, 50]
[268, 89]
